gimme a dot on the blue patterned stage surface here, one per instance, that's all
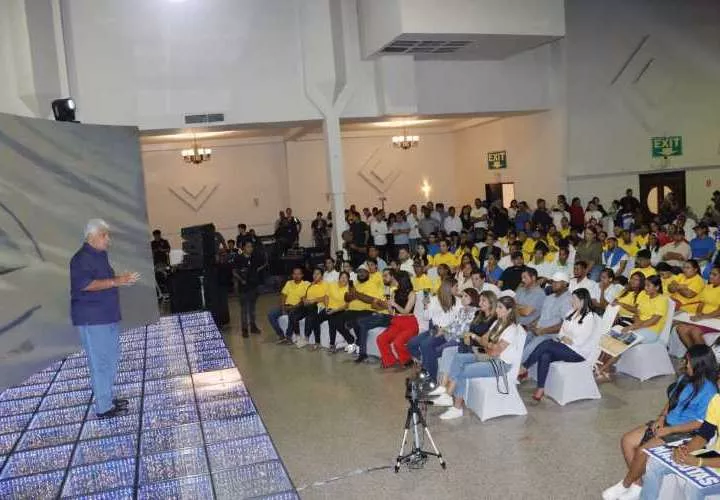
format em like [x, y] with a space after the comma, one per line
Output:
[192, 430]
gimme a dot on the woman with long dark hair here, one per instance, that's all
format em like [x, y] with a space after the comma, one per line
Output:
[627, 300]
[688, 399]
[314, 301]
[501, 342]
[335, 304]
[403, 325]
[421, 254]
[575, 341]
[686, 286]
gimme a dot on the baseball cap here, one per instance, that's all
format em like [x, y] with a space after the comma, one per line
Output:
[561, 276]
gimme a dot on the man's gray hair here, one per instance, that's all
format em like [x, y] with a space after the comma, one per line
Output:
[95, 226]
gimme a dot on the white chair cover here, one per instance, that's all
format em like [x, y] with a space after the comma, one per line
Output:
[484, 399]
[645, 361]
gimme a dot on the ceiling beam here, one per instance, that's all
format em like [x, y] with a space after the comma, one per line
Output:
[297, 133]
[473, 122]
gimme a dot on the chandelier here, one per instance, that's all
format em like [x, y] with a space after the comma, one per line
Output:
[196, 155]
[405, 141]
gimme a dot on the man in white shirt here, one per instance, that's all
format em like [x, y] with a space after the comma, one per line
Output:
[581, 280]
[544, 269]
[479, 215]
[478, 280]
[412, 220]
[406, 263]
[677, 251]
[331, 274]
[593, 213]
[452, 223]
[557, 215]
[563, 263]
[379, 230]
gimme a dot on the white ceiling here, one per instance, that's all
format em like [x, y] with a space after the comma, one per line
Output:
[297, 131]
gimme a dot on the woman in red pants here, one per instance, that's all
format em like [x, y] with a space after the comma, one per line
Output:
[403, 325]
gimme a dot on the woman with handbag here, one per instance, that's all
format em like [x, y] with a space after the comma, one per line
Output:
[501, 343]
[688, 400]
[574, 343]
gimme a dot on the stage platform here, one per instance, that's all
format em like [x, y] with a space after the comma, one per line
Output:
[192, 430]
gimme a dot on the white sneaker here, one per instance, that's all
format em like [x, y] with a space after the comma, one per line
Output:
[452, 413]
[443, 400]
[301, 342]
[351, 348]
[632, 493]
[438, 391]
[615, 491]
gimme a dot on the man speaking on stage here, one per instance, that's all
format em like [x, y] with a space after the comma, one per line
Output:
[95, 311]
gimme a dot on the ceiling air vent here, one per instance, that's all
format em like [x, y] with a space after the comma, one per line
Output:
[403, 47]
[204, 118]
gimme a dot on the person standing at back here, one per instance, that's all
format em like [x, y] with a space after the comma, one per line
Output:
[95, 311]
[247, 275]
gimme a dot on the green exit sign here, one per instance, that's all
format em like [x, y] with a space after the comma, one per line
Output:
[663, 147]
[497, 160]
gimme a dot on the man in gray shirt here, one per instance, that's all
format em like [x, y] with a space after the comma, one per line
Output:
[427, 224]
[529, 297]
[554, 310]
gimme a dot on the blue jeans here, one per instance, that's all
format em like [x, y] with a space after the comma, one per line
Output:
[465, 366]
[652, 482]
[366, 323]
[102, 346]
[546, 353]
[273, 317]
[532, 341]
[426, 347]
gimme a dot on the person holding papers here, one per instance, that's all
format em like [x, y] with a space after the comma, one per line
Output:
[686, 287]
[648, 322]
[687, 404]
[707, 308]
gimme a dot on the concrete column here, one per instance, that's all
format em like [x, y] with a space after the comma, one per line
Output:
[336, 174]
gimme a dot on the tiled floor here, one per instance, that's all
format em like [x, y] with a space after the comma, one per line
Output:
[192, 430]
[329, 418]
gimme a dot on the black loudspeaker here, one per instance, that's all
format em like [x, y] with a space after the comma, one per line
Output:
[216, 296]
[185, 291]
[199, 246]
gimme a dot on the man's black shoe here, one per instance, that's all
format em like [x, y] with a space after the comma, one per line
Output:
[245, 332]
[115, 411]
[120, 402]
[361, 358]
[254, 329]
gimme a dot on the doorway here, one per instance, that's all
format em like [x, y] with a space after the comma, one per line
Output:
[503, 191]
[654, 188]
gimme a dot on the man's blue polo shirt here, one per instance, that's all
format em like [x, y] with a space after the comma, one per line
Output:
[92, 308]
[701, 247]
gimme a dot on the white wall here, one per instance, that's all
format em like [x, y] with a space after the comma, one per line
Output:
[248, 184]
[433, 160]
[518, 83]
[14, 58]
[610, 125]
[533, 154]
[518, 17]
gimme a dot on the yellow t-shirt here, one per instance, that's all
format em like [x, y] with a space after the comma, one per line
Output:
[628, 299]
[336, 295]
[376, 277]
[696, 284]
[528, 249]
[640, 241]
[647, 271]
[710, 297]
[630, 248]
[294, 292]
[423, 282]
[448, 259]
[649, 307]
[564, 233]
[369, 288]
[712, 415]
[317, 290]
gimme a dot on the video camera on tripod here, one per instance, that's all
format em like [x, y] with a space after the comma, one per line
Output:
[416, 390]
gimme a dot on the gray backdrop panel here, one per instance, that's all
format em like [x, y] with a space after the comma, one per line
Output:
[53, 178]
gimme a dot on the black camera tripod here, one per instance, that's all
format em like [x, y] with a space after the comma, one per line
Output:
[417, 457]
